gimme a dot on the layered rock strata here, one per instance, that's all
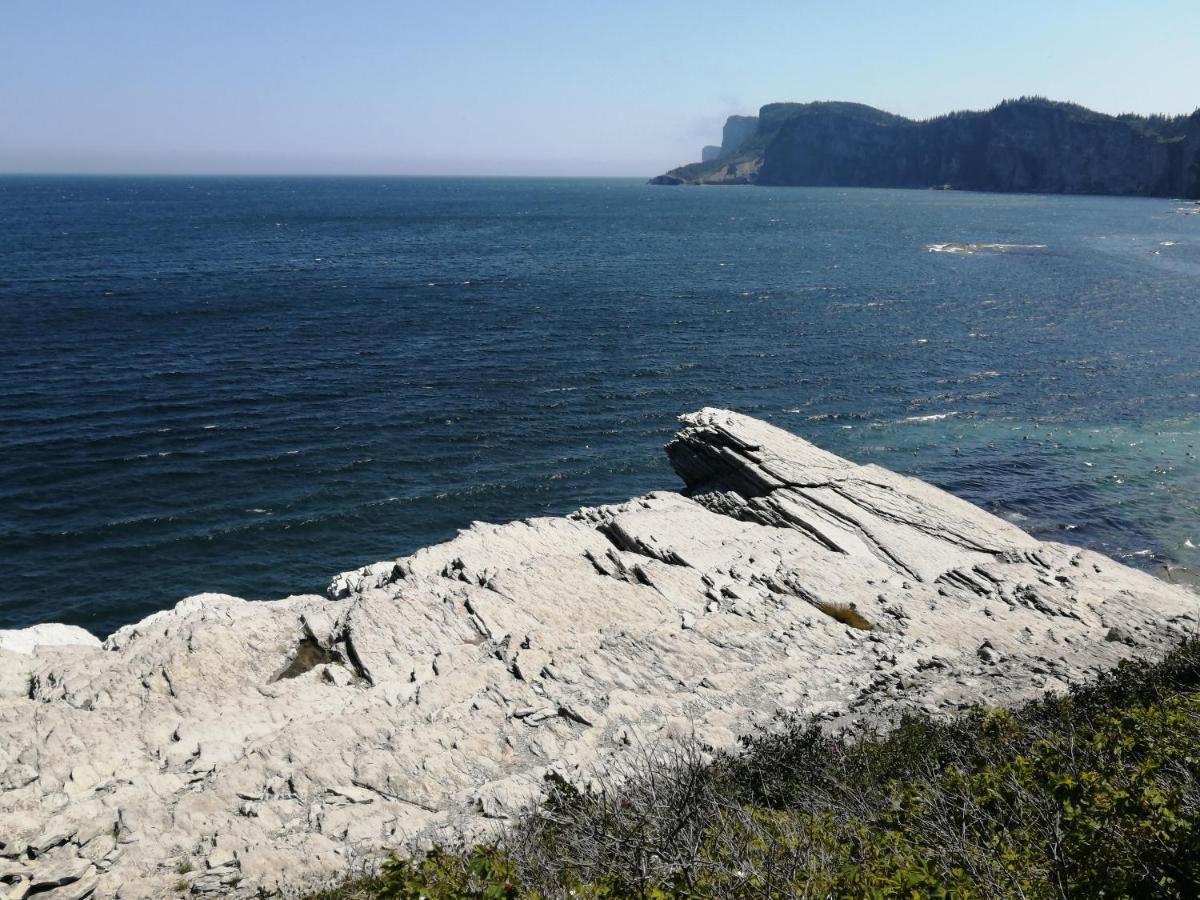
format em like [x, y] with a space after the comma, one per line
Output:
[235, 748]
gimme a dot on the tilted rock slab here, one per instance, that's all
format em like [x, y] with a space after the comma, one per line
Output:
[233, 747]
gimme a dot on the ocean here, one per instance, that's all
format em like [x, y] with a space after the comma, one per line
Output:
[246, 385]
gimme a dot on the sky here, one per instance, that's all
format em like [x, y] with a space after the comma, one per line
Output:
[525, 87]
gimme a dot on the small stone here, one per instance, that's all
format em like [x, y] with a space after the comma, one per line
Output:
[352, 793]
[988, 653]
[221, 857]
[76, 890]
[336, 675]
[49, 839]
[61, 872]
[208, 884]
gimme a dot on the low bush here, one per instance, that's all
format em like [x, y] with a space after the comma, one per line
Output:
[1089, 794]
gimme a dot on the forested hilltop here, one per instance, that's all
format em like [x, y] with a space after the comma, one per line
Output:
[1031, 144]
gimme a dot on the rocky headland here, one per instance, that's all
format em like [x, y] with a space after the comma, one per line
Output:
[1031, 145]
[237, 748]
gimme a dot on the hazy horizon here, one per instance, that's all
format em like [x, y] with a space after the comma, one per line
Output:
[530, 89]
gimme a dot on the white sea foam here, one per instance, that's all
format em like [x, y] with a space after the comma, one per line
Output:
[959, 247]
[934, 417]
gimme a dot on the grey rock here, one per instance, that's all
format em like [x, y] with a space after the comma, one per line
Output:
[284, 742]
[988, 653]
[220, 858]
[75, 890]
[1120, 635]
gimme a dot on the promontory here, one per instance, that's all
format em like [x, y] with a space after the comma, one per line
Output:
[238, 748]
[1029, 145]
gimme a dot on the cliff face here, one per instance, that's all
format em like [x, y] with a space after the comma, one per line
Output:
[1190, 154]
[1027, 145]
[737, 130]
[235, 748]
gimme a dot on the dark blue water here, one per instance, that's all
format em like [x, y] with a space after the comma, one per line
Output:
[246, 385]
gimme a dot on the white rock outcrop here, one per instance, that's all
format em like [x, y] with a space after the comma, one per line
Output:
[232, 747]
[52, 634]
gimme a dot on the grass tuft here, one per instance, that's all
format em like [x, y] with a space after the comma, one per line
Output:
[846, 614]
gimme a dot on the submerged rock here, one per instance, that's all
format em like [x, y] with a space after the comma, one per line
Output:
[233, 747]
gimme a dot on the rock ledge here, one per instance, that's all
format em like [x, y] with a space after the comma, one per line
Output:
[234, 748]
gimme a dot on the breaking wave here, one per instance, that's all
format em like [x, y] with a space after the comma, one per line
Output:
[956, 247]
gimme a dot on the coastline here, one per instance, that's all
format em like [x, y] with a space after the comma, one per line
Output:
[271, 745]
[1020, 145]
[132, 505]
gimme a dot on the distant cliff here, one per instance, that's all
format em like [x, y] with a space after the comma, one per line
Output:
[1031, 144]
[737, 131]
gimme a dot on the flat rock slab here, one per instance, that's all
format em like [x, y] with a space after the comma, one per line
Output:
[238, 748]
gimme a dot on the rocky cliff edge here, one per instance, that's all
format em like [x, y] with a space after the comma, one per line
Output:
[233, 747]
[1030, 145]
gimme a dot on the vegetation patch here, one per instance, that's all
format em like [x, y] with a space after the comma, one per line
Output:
[847, 615]
[1091, 794]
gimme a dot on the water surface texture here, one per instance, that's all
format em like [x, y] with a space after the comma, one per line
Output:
[248, 384]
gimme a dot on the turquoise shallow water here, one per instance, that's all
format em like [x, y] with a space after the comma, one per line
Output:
[246, 385]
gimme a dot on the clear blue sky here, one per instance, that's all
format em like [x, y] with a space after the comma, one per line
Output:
[532, 87]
